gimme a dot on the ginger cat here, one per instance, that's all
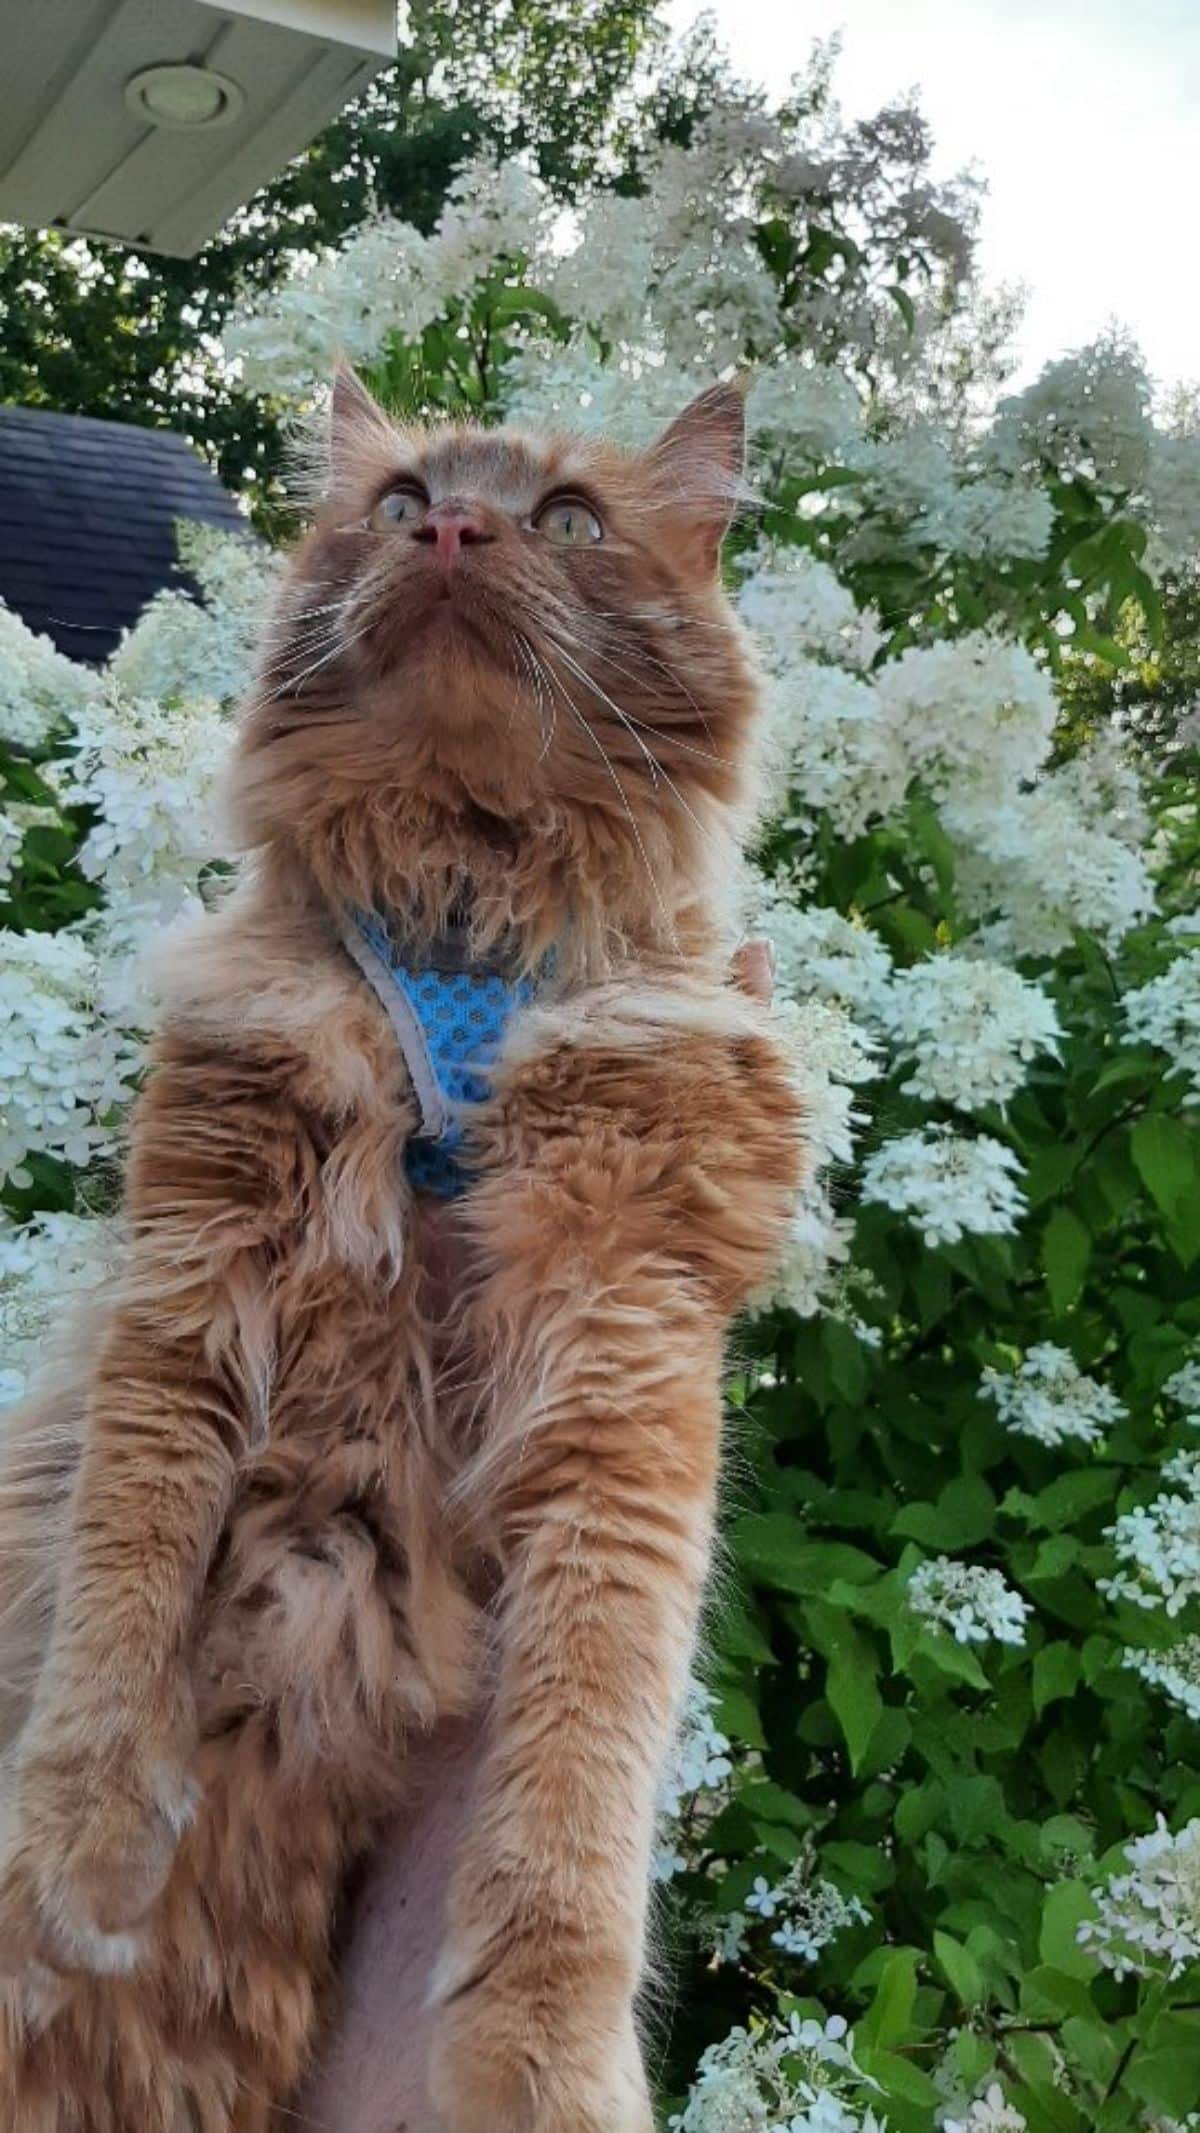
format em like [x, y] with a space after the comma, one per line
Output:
[288, 1513]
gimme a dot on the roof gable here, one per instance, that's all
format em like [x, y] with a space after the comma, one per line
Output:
[87, 522]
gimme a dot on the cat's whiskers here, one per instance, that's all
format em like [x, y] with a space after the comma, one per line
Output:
[663, 733]
[586, 727]
[655, 766]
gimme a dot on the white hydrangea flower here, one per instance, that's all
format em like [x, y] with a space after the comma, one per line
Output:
[813, 1261]
[1173, 482]
[65, 1072]
[380, 282]
[150, 769]
[793, 2076]
[948, 1185]
[1148, 1922]
[968, 1027]
[836, 749]
[1088, 413]
[829, 1055]
[631, 399]
[1103, 780]
[796, 606]
[39, 688]
[604, 275]
[1033, 870]
[805, 1912]
[1183, 1386]
[820, 952]
[1176, 1672]
[907, 475]
[492, 212]
[43, 1264]
[975, 710]
[714, 298]
[987, 520]
[809, 409]
[989, 2113]
[180, 648]
[1050, 1399]
[973, 1603]
[1166, 1013]
[1157, 1547]
[17, 818]
[701, 1762]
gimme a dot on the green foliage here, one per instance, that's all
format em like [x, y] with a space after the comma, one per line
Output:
[968, 1794]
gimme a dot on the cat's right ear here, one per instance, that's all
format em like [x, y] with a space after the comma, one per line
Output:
[358, 429]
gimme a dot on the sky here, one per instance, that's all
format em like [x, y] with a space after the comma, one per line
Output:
[1083, 115]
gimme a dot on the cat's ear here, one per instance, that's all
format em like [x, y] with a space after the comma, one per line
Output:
[697, 469]
[358, 427]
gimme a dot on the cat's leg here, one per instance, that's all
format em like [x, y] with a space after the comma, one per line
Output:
[225, 1195]
[331, 1631]
[640, 1198]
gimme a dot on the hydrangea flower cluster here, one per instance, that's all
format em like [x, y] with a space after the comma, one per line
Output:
[820, 953]
[804, 1911]
[976, 710]
[830, 1055]
[1051, 1400]
[988, 2113]
[184, 648]
[1147, 1921]
[1175, 1671]
[968, 1028]
[1157, 1547]
[39, 688]
[973, 1603]
[1166, 1013]
[1031, 868]
[150, 767]
[1183, 1386]
[65, 1072]
[790, 2076]
[44, 1264]
[947, 1184]
[701, 1763]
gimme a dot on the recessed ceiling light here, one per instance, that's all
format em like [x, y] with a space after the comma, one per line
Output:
[184, 97]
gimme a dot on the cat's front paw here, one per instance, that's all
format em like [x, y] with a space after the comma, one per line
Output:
[93, 1837]
[527, 2050]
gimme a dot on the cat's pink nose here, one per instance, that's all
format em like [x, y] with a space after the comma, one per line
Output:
[450, 527]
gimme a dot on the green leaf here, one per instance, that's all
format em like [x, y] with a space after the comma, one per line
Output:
[889, 2016]
[960, 1969]
[1066, 1250]
[778, 1551]
[964, 1515]
[1056, 1672]
[1066, 1906]
[855, 1700]
[1164, 1150]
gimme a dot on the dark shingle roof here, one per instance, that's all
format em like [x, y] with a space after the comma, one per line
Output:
[87, 522]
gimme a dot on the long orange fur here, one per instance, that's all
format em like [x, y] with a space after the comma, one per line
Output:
[281, 1515]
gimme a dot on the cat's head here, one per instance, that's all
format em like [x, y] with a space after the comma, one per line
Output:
[523, 636]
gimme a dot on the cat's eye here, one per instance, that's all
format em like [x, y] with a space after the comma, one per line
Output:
[568, 522]
[405, 505]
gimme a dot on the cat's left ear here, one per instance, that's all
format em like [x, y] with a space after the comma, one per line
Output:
[697, 469]
[358, 429]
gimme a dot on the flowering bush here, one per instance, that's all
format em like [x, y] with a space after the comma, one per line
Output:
[912, 1850]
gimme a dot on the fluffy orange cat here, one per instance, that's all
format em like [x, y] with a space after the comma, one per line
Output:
[291, 1512]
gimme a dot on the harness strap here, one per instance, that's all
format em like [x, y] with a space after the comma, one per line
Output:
[449, 1017]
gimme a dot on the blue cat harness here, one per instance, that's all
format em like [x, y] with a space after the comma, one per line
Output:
[449, 1015]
